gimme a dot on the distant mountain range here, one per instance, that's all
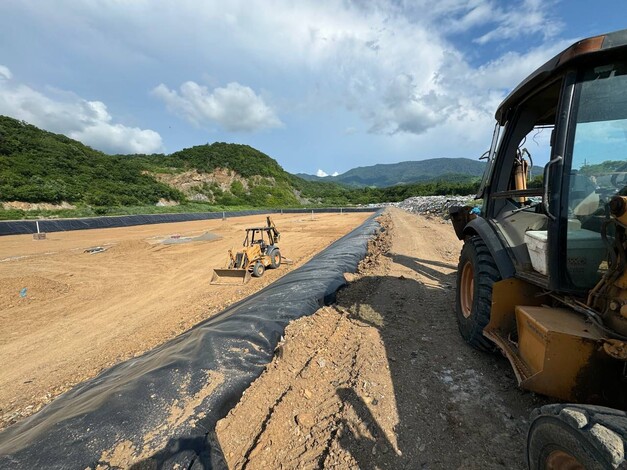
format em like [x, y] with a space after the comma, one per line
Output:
[391, 174]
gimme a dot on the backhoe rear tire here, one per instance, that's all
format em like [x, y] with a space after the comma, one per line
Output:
[275, 259]
[476, 274]
[566, 436]
[258, 269]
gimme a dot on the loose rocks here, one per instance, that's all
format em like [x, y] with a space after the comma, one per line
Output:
[436, 205]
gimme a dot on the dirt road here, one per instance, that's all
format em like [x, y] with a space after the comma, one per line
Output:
[382, 379]
[66, 314]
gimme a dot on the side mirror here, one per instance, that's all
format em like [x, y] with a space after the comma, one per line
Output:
[460, 216]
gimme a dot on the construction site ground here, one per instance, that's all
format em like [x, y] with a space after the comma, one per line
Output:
[382, 379]
[79, 302]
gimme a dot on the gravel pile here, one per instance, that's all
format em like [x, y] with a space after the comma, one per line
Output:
[436, 205]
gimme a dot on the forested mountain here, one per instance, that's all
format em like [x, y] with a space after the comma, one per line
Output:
[39, 166]
[41, 171]
[384, 175]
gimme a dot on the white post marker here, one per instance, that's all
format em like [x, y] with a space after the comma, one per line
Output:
[37, 223]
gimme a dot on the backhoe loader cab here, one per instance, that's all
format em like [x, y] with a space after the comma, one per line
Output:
[542, 274]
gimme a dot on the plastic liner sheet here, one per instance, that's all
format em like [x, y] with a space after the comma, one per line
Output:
[21, 227]
[162, 407]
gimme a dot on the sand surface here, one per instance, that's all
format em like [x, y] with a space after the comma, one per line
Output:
[382, 379]
[67, 314]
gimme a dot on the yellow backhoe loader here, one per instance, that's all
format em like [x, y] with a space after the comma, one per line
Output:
[260, 251]
[542, 275]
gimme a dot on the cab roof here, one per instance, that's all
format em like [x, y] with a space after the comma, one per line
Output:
[574, 53]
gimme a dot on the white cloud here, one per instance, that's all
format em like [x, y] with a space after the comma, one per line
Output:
[510, 68]
[118, 138]
[503, 20]
[395, 65]
[66, 113]
[324, 174]
[234, 107]
[5, 73]
[529, 17]
[470, 15]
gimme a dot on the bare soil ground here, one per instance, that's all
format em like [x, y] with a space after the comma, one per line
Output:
[382, 379]
[80, 313]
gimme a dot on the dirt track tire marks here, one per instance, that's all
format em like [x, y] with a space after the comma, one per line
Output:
[400, 388]
[291, 414]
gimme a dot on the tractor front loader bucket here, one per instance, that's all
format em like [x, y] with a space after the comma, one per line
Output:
[230, 276]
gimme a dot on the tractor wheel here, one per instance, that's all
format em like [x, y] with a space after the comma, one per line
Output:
[572, 437]
[258, 269]
[275, 259]
[476, 274]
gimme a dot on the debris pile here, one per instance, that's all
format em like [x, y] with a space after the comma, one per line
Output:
[435, 205]
[377, 246]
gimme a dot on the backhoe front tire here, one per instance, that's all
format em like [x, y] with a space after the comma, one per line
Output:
[476, 274]
[258, 269]
[565, 436]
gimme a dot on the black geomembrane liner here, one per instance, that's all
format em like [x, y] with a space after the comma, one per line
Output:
[134, 398]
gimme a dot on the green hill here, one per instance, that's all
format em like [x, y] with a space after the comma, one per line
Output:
[384, 175]
[38, 166]
[46, 174]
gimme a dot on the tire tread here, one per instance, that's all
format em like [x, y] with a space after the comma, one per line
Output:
[486, 273]
[611, 421]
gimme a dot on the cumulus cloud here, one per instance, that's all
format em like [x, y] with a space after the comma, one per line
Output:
[529, 17]
[398, 66]
[66, 113]
[5, 73]
[324, 174]
[501, 20]
[234, 107]
[511, 67]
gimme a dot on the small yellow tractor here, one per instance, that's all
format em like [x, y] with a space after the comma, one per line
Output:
[259, 251]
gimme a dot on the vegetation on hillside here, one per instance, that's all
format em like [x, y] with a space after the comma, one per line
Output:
[604, 168]
[391, 174]
[268, 185]
[243, 159]
[39, 166]
[42, 167]
[335, 194]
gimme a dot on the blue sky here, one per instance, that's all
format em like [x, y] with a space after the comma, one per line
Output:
[318, 85]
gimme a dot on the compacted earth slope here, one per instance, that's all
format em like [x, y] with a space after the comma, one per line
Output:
[381, 379]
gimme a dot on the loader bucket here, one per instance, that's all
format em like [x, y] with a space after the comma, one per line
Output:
[230, 276]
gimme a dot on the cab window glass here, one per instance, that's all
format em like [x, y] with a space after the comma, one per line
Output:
[598, 169]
